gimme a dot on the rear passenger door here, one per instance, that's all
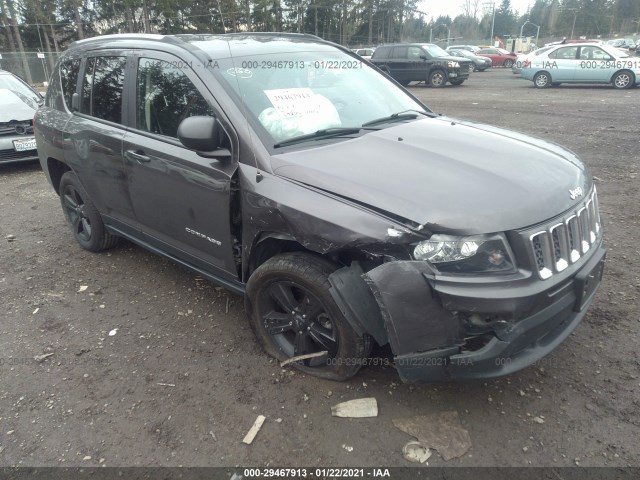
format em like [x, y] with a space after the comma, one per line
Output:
[399, 64]
[418, 65]
[93, 135]
[563, 64]
[181, 200]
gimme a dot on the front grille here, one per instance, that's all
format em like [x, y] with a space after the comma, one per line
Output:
[562, 243]
[13, 155]
[14, 127]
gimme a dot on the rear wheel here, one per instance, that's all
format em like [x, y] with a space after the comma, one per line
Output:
[542, 80]
[508, 63]
[83, 217]
[292, 313]
[437, 79]
[623, 79]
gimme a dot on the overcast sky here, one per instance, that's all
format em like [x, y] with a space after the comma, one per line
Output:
[453, 8]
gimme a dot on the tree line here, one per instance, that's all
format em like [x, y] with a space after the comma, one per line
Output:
[51, 25]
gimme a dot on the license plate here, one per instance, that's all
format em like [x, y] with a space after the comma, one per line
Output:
[24, 145]
[586, 285]
[453, 75]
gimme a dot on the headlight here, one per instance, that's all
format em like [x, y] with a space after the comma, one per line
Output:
[473, 254]
[453, 64]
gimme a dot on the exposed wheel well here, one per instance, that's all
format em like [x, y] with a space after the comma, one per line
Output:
[274, 244]
[269, 246]
[56, 169]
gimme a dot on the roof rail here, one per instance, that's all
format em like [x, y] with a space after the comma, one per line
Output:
[122, 36]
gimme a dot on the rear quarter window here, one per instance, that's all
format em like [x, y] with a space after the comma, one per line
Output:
[69, 70]
[381, 53]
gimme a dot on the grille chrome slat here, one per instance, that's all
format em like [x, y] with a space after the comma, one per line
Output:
[563, 243]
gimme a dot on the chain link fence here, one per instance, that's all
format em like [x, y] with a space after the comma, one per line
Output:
[33, 67]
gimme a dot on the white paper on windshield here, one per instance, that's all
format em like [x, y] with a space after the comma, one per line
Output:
[294, 102]
[297, 111]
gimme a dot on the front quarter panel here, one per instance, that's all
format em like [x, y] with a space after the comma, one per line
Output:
[318, 221]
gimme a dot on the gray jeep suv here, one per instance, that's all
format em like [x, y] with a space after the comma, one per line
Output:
[347, 213]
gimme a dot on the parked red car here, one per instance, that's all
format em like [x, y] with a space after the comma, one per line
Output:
[499, 56]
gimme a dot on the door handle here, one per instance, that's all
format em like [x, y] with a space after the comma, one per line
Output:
[138, 156]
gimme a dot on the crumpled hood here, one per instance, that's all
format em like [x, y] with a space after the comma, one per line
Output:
[448, 175]
[14, 106]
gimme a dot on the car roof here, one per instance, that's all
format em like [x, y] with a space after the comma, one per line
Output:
[216, 46]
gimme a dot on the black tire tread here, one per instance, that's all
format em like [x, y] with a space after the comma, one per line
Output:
[106, 239]
[314, 269]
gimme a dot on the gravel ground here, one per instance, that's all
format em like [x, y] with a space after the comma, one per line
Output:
[152, 365]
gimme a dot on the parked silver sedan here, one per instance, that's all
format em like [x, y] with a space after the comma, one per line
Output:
[18, 104]
[582, 63]
[523, 57]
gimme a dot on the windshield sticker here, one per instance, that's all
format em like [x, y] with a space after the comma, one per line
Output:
[240, 72]
[297, 111]
[295, 102]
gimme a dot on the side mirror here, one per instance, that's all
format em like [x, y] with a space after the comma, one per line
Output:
[424, 57]
[202, 134]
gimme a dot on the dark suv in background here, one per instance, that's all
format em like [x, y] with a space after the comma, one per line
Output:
[291, 171]
[422, 62]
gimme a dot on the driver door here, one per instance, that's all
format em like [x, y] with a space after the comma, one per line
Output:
[181, 200]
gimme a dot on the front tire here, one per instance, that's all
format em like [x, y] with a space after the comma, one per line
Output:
[292, 313]
[542, 80]
[437, 79]
[623, 80]
[83, 216]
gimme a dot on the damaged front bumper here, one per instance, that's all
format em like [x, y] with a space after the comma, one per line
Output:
[444, 328]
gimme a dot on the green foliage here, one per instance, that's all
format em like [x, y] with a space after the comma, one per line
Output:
[350, 22]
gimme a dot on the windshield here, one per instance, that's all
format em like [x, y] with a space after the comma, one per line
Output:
[286, 95]
[10, 82]
[464, 53]
[540, 50]
[614, 52]
[435, 50]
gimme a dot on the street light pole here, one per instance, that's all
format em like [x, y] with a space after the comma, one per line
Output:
[522, 30]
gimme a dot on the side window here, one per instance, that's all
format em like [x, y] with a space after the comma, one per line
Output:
[415, 52]
[381, 53]
[69, 70]
[400, 52]
[87, 86]
[599, 54]
[165, 97]
[565, 53]
[102, 88]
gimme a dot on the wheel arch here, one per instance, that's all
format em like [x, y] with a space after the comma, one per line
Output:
[56, 169]
[625, 70]
[268, 245]
[540, 72]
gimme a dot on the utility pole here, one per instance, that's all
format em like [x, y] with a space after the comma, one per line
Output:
[486, 7]
[575, 15]
[493, 22]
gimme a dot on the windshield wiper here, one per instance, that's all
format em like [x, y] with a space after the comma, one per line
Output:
[320, 134]
[404, 115]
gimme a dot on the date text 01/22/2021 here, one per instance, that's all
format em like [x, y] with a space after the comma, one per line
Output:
[316, 472]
